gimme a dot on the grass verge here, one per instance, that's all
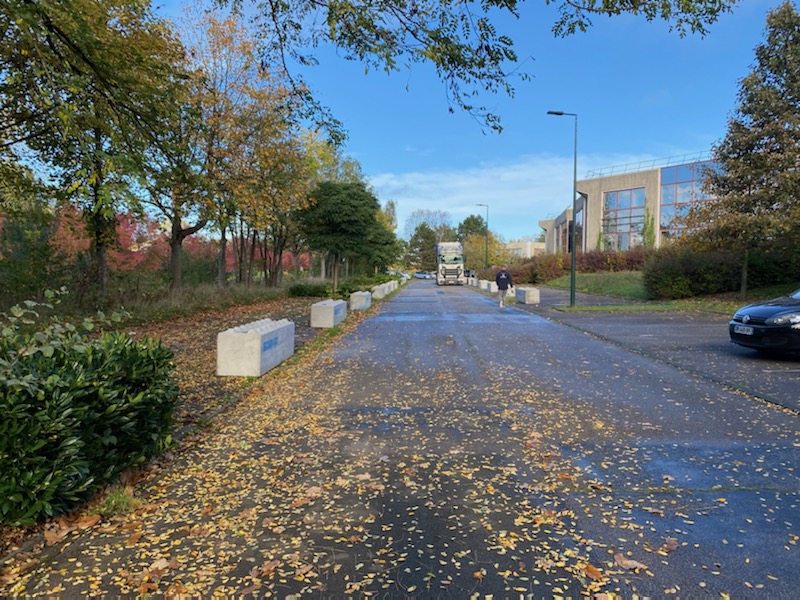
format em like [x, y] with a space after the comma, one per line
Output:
[629, 285]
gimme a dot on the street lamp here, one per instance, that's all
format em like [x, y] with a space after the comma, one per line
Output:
[486, 257]
[573, 249]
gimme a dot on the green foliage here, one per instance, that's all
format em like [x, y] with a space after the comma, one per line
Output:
[119, 501]
[649, 230]
[753, 203]
[623, 284]
[75, 409]
[343, 221]
[547, 267]
[28, 263]
[309, 290]
[361, 283]
[461, 41]
[672, 274]
[199, 269]
[472, 225]
[421, 252]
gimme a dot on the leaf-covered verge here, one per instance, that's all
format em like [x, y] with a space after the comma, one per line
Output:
[192, 341]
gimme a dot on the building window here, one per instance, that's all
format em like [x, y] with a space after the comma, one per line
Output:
[623, 218]
[681, 186]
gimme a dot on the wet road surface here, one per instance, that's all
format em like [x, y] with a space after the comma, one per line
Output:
[445, 448]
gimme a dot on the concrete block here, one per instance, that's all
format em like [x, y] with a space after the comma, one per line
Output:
[328, 313]
[360, 300]
[253, 349]
[492, 287]
[527, 295]
[378, 292]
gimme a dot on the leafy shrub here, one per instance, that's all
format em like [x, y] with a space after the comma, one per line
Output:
[309, 290]
[74, 410]
[360, 283]
[597, 261]
[549, 266]
[672, 274]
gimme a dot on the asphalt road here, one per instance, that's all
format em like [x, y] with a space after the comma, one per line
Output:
[652, 410]
[445, 448]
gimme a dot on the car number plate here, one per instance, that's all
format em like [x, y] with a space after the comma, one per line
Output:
[743, 329]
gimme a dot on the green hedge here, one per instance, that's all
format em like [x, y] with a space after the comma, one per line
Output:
[309, 290]
[75, 411]
[346, 287]
[672, 274]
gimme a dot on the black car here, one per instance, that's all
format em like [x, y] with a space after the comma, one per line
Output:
[771, 326]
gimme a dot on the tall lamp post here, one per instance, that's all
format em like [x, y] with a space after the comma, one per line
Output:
[486, 245]
[573, 249]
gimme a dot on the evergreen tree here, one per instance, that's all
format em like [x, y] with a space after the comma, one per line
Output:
[421, 254]
[342, 221]
[754, 189]
[472, 225]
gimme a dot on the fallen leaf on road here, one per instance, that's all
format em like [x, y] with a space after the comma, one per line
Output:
[627, 563]
[593, 572]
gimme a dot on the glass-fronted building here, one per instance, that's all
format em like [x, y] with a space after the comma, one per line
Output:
[618, 207]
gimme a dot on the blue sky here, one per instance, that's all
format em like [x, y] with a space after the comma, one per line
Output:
[641, 93]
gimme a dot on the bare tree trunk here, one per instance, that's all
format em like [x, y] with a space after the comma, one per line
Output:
[335, 272]
[176, 255]
[745, 260]
[222, 266]
[252, 259]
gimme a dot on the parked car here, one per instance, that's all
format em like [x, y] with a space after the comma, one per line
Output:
[420, 275]
[771, 326]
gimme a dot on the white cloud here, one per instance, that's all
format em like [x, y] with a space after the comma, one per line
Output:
[519, 193]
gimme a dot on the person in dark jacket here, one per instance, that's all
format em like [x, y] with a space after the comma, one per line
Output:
[503, 279]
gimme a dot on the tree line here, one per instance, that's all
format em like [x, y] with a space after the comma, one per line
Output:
[108, 109]
[107, 112]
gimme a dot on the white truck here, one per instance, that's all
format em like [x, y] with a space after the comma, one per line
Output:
[450, 264]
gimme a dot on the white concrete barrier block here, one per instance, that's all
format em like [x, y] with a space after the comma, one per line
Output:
[253, 349]
[360, 300]
[328, 313]
[378, 292]
[527, 295]
[492, 287]
[483, 284]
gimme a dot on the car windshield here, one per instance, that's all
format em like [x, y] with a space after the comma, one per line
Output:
[795, 295]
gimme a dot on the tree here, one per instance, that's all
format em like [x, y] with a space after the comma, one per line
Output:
[461, 40]
[475, 251]
[342, 221]
[754, 188]
[421, 252]
[438, 220]
[472, 225]
[326, 163]
[84, 86]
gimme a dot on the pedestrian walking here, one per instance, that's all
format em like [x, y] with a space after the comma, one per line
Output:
[504, 281]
